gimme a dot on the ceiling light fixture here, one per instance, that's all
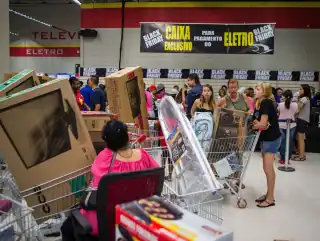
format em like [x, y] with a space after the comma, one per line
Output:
[30, 18]
[77, 2]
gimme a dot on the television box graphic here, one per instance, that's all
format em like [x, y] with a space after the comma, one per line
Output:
[126, 96]
[44, 137]
[24, 80]
[230, 123]
[154, 219]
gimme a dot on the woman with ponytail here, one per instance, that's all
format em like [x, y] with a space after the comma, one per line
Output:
[265, 117]
[287, 110]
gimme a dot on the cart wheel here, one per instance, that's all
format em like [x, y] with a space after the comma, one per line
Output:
[236, 189]
[242, 203]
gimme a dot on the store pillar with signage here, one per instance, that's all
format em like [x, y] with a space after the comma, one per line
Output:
[4, 40]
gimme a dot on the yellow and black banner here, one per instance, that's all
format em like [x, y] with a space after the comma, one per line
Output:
[207, 38]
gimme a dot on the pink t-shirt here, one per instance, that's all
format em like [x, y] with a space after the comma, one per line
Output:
[149, 100]
[100, 167]
[285, 114]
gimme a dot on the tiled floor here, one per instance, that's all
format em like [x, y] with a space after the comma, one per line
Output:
[296, 216]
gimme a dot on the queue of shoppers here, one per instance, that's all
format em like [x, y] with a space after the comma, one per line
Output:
[270, 109]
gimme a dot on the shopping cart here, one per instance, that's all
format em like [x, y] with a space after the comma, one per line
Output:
[53, 200]
[229, 158]
[203, 203]
[16, 218]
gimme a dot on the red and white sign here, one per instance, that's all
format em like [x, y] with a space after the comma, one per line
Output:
[45, 51]
[55, 35]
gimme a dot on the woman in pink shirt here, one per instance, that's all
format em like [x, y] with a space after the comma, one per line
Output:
[287, 110]
[126, 159]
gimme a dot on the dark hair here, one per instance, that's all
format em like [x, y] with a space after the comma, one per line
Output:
[251, 89]
[224, 86]
[306, 91]
[103, 87]
[81, 83]
[72, 80]
[95, 79]
[194, 77]
[115, 134]
[288, 96]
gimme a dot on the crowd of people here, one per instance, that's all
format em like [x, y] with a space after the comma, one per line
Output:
[92, 96]
[269, 110]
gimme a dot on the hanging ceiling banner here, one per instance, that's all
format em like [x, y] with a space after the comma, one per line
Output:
[207, 38]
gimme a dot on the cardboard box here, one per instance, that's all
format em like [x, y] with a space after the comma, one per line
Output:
[126, 96]
[24, 80]
[44, 79]
[44, 138]
[230, 123]
[152, 219]
[95, 121]
[7, 76]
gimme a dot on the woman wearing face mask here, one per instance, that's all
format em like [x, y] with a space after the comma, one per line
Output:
[265, 117]
[206, 102]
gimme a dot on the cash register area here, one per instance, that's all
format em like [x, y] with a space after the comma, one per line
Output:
[291, 219]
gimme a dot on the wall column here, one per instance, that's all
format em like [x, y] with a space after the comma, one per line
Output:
[4, 40]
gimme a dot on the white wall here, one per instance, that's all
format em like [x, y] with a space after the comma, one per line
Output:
[294, 50]
[4, 39]
[65, 16]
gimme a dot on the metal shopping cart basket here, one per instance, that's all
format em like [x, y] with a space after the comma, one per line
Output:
[56, 198]
[16, 218]
[229, 158]
[205, 204]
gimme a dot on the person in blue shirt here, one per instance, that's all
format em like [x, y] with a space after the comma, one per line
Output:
[194, 93]
[98, 97]
[86, 92]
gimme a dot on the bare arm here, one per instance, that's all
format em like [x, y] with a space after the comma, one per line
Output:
[194, 107]
[222, 102]
[97, 107]
[263, 123]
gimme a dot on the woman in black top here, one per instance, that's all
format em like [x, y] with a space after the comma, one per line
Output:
[265, 117]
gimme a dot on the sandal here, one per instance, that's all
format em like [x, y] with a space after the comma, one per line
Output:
[269, 204]
[261, 199]
[299, 159]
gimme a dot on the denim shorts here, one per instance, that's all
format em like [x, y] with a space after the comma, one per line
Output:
[271, 146]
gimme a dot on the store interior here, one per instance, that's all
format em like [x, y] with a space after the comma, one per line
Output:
[159, 120]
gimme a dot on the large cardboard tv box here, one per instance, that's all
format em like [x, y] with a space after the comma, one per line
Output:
[24, 80]
[46, 145]
[126, 96]
[95, 121]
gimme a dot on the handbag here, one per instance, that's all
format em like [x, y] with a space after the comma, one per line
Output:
[89, 198]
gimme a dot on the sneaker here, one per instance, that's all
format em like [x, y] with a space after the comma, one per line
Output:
[281, 162]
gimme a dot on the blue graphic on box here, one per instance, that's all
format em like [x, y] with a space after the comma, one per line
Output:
[202, 125]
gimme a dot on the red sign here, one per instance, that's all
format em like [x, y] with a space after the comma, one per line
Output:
[45, 52]
[55, 35]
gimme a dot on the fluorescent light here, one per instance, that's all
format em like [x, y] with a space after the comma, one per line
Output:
[77, 2]
[30, 18]
[14, 34]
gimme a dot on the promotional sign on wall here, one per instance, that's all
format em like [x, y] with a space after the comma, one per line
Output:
[215, 74]
[207, 38]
